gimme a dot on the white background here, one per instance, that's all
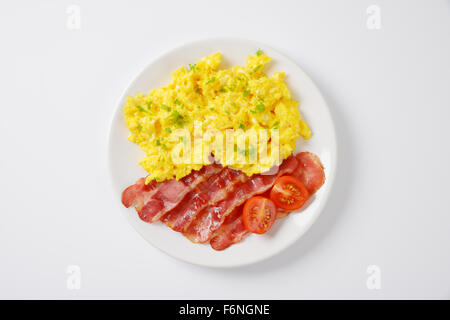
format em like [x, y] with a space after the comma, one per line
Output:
[389, 94]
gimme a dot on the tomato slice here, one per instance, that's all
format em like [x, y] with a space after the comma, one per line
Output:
[289, 193]
[259, 214]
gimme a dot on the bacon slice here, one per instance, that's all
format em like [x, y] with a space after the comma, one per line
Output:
[205, 194]
[231, 231]
[154, 200]
[309, 170]
[136, 194]
[211, 218]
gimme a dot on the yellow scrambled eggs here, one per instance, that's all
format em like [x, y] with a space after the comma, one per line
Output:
[242, 97]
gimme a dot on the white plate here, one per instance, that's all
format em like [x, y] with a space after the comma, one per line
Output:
[124, 155]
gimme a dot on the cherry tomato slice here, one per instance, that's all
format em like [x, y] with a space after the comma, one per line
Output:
[289, 193]
[259, 214]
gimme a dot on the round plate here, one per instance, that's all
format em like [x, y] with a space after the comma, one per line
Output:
[124, 155]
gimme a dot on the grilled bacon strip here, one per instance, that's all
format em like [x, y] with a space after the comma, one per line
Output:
[136, 194]
[231, 231]
[310, 171]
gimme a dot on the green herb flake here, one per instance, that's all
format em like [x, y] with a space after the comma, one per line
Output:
[142, 109]
[223, 90]
[252, 150]
[242, 126]
[164, 146]
[276, 124]
[260, 107]
[259, 52]
[257, 68]
[168, 130]
[149, 105]
[163, 106]
[243, 152]
[197, 90]
[211, 80]
[139, 127]
[181, 123]
[192, 67]
[246, 93]
[177, 101]
[158, 143]
[177, 118]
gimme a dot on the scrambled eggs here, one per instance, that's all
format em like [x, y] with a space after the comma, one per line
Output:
[242, 97]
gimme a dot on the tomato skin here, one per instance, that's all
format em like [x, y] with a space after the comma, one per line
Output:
[259, 214]
[289, 193]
